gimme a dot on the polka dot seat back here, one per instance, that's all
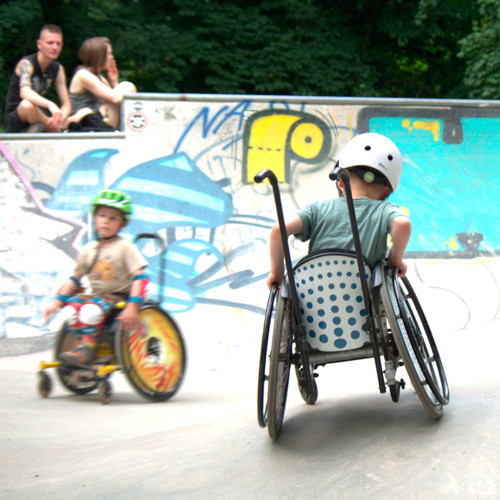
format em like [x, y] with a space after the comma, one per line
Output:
[331, 300]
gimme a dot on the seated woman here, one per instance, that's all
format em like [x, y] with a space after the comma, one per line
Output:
[96, 102]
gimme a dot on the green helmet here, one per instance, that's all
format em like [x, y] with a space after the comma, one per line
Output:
[114, 199]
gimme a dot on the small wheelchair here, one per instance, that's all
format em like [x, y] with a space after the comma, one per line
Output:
[333, 307]
[152, 356]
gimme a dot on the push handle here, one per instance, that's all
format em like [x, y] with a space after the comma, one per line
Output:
[342, 174]
[162, 266]
[266, 174]
[260, 177]
[151, 236]
[339, 173]
[301, 331]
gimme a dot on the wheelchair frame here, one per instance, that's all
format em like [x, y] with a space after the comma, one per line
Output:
[153, 357]
[395, 324]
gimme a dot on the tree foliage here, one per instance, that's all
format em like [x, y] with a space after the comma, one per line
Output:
[480, 51]
[374, 48]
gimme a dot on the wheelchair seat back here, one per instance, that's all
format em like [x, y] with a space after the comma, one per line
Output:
[331, 301]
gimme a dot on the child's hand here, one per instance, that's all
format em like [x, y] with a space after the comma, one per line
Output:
[49, 311]
[274, 279]
[128, 316]
[400, 266]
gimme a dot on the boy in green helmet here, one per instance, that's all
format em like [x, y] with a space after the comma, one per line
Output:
[114, 268]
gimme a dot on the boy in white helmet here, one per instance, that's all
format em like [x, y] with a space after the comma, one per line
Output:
[374, 165]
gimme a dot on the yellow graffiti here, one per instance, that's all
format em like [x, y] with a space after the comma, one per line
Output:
[349, 124]
[432, 126]
[307, 140]
[406, 211]
[273, 139]
[267, 144]
[452, 243]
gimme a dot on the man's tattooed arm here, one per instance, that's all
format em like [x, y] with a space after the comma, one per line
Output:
[26, 73]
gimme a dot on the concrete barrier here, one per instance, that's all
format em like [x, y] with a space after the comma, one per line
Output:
[189, 160]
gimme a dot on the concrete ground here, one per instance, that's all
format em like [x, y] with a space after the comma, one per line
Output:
[354, 443]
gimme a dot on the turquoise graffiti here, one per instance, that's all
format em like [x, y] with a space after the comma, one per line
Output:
[450, 178]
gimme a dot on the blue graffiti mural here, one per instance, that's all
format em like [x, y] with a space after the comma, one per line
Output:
[171, 191]
[80, 182]
[167, 192]
[192, 186]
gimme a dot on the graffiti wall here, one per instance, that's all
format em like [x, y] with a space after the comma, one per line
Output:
[189, 162]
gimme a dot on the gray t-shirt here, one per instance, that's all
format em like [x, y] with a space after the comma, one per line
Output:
[327, 225]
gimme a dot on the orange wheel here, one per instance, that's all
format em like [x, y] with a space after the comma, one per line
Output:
[153, 356]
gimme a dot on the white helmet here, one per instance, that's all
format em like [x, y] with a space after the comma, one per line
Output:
[376, 152]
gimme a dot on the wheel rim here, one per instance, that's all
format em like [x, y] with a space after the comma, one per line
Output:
[422, 342]
[153, 355]
[72, 378]
[400, 324]
[279, 372]
[263, 380]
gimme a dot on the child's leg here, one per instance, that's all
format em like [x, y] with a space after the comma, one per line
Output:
[87, 320]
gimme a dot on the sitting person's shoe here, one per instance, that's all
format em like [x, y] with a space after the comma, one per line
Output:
[82, 355]
[35, 128]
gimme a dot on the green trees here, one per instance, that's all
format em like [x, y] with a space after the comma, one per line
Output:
[480, 50]
[374, 48]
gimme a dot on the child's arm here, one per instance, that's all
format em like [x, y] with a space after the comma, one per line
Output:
[400, 234]
[277, 273]
[68, 289]
[128, 316]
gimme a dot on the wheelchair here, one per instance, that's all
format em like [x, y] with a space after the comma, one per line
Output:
[333, 307]
[152, 356]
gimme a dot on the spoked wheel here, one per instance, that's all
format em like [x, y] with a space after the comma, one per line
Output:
[415, 343]
[153, 355]
[265, 349]
[76, 380]
[279, 370]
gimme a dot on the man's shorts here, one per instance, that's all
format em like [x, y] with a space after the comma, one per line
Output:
[13, 123]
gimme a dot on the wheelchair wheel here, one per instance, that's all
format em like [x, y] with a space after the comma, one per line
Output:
[415, 343]
[310, 399]
[262, 388]
[104, 392]
[75, 380]
[44, 384]
[279, 369]
[153, 356]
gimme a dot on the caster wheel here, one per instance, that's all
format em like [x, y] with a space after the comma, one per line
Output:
[104, 392]
[44, 385]
[310, 399]
[396, 390]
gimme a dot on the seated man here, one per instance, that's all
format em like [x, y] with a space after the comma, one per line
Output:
[29, 84]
